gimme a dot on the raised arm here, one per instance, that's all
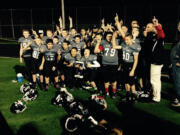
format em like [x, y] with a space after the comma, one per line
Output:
[160, 32]
[115, 46]
[97, 50]
[35, 33]
[60, 23]
[119, 25]
[70, 22]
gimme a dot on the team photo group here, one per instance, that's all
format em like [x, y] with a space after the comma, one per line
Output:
[106, 59]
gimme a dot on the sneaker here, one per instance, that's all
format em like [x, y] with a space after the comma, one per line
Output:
[71, 89]
[57, 86]
[76, 76]
[81, 76]
[113, 95]
[175, 104]
[175, 101]
[33, 85]
[86, 87]
[46, 88]
[153, 102]
[128, 97]
[63, 85]
[134, 97]
[104, 94]
[41, 86]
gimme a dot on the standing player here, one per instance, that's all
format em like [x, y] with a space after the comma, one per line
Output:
[49, 35]
[109, 62]
[130, 50]
[49, 63]
[25, 52]
[130, 60]
[36, 62]
[65, 49]
[80, 45]
[70, 66]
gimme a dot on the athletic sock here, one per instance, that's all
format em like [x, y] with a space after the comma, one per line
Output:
[114, 90]
[107, 90]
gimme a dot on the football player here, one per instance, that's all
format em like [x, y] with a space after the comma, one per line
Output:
[70, 66]
[109, 62]
[65, 49]
[130, 59]
[80, 45]
[36, 61]
[49, 63]
[91, 64]
[25, 52]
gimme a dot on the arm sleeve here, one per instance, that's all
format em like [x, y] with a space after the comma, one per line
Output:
[95, 64]
[160, 32]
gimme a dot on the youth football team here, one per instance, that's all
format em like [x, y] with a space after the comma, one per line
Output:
[103, 58]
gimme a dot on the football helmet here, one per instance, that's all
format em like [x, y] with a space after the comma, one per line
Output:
[30, 95]
[25, 87]
[73, 123]
[99, 101]
[18, 107]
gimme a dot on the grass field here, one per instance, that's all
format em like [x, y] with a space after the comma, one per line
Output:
[46, 118]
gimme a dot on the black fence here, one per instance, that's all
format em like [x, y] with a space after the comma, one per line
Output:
[14, 20]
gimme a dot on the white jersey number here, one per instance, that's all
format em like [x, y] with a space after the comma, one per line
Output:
[35, 54]
[126, 56]
[112, 52]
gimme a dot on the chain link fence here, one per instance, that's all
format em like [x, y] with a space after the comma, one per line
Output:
[13, 21]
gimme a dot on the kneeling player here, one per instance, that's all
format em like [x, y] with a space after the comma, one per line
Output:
[49, 63]
[90, 64]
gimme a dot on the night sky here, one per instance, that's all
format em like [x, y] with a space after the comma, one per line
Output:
[92, 11]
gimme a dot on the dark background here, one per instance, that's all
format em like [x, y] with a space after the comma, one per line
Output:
[85, 13]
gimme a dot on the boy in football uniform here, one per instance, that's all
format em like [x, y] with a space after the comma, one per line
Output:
[80, 45]
[70, 66]
[91, 64]
[25, 52]
[130, 59]
[130, 50]
[49, 63]
[65, 49]
[49, 35]
[109, 62]
[36, 47]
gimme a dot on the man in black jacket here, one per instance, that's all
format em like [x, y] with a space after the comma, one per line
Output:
[154, 36]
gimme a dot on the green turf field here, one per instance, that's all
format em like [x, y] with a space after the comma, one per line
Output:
[46, 117]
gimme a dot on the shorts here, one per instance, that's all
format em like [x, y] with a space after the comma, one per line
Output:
[109, 73]
[127, 67]
[48, 70]
[35, 67]
[90, 74]
[61, 68]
